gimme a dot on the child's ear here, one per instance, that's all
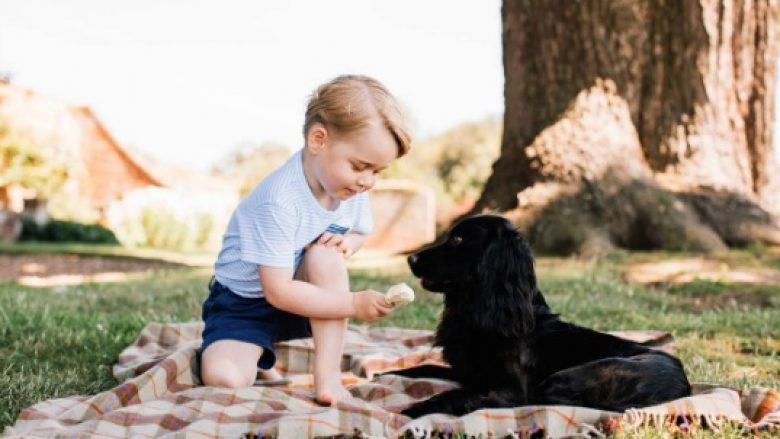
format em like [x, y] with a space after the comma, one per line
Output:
[317, 138]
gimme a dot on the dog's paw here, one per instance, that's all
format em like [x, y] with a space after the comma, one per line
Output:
[414, 411]
[421, 409]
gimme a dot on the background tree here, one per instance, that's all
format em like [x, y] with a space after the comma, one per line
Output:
[454, 163]
[250, 162]
[638, 123]
[29, 164]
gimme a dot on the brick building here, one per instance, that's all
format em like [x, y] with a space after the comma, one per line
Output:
[100, 170]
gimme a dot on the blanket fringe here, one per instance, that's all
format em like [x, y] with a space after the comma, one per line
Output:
[590, 431]
[771, 422]
[634, 419]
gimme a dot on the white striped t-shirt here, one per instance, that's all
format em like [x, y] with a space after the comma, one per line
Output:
[273, 224]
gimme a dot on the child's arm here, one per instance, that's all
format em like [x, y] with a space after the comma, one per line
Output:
[306, 299]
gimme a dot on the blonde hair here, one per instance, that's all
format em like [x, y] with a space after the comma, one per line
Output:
[347, 104]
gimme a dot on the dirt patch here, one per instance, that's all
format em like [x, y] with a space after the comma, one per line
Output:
[704, 284]
[47, 265]
[681, 271]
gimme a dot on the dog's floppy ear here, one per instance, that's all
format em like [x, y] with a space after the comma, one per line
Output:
[507, 284]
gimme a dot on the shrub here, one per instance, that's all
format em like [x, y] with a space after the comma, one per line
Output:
[171, 219]
[65, 231]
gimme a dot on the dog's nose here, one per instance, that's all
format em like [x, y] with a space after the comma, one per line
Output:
[412, 259]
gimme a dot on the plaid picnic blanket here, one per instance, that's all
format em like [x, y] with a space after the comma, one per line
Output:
[160, 396]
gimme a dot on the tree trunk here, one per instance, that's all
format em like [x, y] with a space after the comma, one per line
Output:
[638, 123]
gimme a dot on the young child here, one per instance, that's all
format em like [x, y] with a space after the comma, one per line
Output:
[281, 272]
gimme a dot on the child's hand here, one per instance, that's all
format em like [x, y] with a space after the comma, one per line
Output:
[337, 241]
[370, 305]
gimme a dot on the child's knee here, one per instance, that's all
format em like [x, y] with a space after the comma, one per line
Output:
[320, 261]
[224, 373]
[229, 363]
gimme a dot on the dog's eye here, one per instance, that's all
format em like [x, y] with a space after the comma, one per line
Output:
[455, 240]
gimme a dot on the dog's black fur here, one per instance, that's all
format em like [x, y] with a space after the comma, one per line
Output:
[505, 347]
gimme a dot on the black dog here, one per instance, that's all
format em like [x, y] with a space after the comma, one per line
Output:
[505, 347]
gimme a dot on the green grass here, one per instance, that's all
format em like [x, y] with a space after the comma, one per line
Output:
[56, 343]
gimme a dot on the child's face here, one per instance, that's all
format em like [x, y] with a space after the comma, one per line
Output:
[349, 164]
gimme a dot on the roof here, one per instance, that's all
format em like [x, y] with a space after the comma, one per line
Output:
[78, 131]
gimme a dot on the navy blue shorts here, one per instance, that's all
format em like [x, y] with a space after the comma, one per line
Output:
[229, 316]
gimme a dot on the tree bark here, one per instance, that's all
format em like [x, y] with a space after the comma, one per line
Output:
[615, 103]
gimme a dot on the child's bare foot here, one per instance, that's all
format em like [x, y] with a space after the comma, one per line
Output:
[270, 374]
[270, 377]
[329, 390]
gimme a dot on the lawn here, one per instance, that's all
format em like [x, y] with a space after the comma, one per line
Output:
[57, 342]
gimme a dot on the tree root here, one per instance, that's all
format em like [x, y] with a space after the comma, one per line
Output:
[593, 217]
